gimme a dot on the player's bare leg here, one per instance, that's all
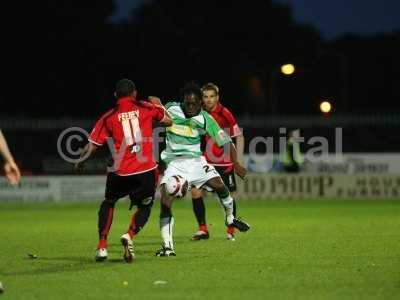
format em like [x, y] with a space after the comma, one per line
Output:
[200, 212]
[166, 224]
[226, 200]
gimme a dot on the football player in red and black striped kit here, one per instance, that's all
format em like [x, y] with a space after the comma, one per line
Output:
[134, 173]
[217, 157]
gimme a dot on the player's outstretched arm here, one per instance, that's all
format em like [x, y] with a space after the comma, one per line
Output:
[240, 170]
[155, 100]
[86, 153]
[166, 121]
[11, 169]
[239, 143]
[221, 139]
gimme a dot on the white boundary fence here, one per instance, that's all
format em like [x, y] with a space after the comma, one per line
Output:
[256, 186]
[346, 163]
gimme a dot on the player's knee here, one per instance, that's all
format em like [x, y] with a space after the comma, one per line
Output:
[147, 203]
[222, 192]
[165, 198]
[145, 211]
[220, 186]
[196, 193]
[216, 183]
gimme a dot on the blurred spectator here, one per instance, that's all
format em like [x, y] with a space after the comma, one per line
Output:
[292, 158]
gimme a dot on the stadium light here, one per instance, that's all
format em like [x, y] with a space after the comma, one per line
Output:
[325, 107]
[288, 69]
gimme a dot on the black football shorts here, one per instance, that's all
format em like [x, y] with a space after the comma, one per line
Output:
[139, 187]
[228, 178]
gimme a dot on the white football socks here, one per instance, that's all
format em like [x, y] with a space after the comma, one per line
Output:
[228, 205]
[166, 226]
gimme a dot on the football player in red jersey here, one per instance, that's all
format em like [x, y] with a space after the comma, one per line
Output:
[217, 157]
[130, 125]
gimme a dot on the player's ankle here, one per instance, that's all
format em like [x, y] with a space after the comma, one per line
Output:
[229, 219]
[230, 230]
[131, 233]
[102, 244]
[203, 227]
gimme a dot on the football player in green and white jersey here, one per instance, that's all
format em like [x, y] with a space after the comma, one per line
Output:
[184, 158]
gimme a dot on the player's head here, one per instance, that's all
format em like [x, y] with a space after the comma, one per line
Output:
[191, 95]
[210, 96]
[125, 88]
[295, 133]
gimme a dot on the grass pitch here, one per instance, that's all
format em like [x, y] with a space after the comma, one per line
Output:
[295, 250]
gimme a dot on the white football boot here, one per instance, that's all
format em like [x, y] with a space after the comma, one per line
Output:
[101, 254]
[127, 243]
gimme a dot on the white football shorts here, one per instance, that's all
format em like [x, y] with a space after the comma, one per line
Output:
[195, 170]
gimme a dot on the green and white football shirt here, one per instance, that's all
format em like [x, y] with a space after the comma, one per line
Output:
[184, 136]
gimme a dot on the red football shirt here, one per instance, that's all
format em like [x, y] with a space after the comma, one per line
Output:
[216, 155]
[130, 125]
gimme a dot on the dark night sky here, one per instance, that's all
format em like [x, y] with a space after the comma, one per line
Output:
[331, 18]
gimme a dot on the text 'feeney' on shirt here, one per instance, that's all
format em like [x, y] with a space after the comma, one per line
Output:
[130, 125]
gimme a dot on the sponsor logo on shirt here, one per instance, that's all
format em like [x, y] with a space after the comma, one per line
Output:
[183, 130]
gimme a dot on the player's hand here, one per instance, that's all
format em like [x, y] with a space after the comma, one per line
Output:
[229, 169]
[12, 172]
[79, 168]
[155, 100]
[240, 170]
[110, 161]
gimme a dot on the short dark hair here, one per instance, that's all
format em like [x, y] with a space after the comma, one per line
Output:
[124, 87]
[191, 88]
[210, 87]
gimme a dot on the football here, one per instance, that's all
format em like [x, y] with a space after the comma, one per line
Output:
[177, 186]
